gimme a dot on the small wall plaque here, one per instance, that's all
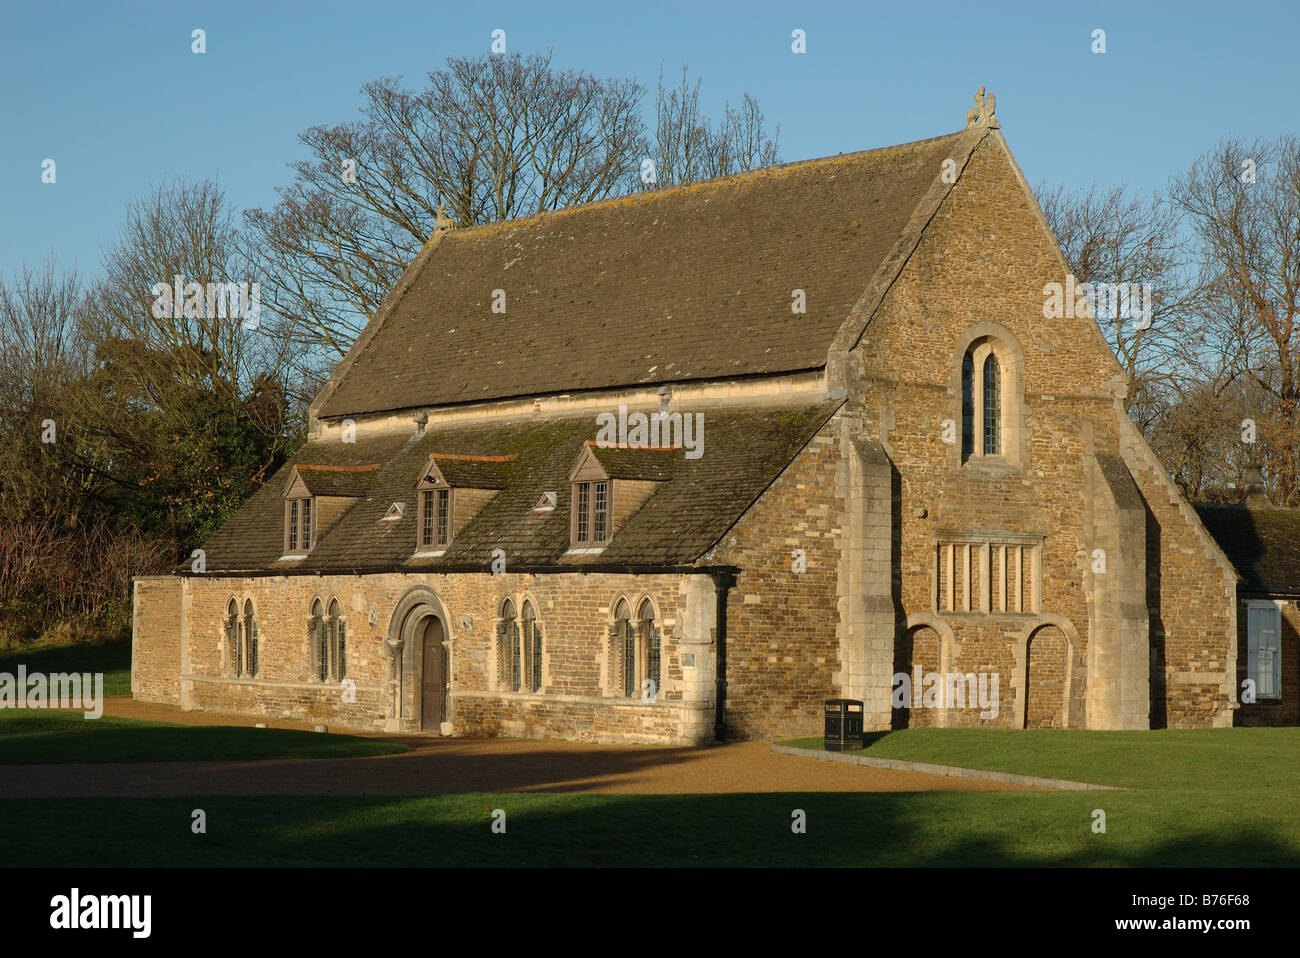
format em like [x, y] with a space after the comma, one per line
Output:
[688, 660]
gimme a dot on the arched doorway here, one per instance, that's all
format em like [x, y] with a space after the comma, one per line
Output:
[421, 648]
[433, 671]
[1045, 677]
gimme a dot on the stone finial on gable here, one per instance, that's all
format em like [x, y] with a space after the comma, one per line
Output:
[982, 112]
[441, 220]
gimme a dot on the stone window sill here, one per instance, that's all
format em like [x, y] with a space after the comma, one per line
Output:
[991, 467]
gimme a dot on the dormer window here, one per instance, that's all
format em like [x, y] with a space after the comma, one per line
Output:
[608, 485]
[315, 497]
[591, 513]
[299, 525]
[451, 490]
[435, 518]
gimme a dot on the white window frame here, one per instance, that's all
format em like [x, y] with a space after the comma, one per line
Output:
[1253, 649]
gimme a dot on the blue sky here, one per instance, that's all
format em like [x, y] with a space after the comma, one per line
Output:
[112, 92]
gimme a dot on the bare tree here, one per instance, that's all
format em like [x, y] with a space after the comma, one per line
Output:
[187, 407]
[42, 355]
[1243, 204]
[1112, 237]
[492, 138]
[688, 147]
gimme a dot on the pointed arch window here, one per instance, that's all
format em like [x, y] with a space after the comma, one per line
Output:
[232, 630]
[648, 633]
[318, 642]
[338, 636]
[635, 651]
[967, 406]
[987, 396]
[992, 405]
[508, 648]
[622, 665]
[532, 650]
[245, 660]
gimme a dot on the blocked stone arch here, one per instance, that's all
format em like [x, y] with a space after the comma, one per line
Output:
[1070, 706]
[938, 659]
[1006, 345]
[403, 649]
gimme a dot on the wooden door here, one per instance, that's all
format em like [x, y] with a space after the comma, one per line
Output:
[433, 697]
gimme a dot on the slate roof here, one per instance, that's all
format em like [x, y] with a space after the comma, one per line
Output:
[323, 480]
[675, 284]
[474, 472]
[623, 462]
[697, 502]
[1263, 544]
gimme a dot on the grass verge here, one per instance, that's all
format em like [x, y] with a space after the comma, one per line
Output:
[935, 829]
[40, 737]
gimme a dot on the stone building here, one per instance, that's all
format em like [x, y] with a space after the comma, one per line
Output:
[1263, 543]
[685, 464]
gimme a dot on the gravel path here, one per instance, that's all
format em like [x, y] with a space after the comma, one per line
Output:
[438, 766]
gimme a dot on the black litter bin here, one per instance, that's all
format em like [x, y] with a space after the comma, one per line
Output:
[843, 725]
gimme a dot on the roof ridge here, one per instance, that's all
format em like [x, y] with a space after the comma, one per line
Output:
[596, 443]
[330, 468]
[679, 189]
[467, 458]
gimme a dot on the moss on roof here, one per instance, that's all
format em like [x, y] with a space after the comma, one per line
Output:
[697, 501]
[671, 285]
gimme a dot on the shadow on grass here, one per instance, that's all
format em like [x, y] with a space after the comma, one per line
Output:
[61, 744]
[873, 830]
[433, 766]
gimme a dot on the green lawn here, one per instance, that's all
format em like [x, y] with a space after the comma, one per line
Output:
[1215, 797]
[42, 738]
[111, 658]
[1199, 798]
[1236, 759]
[868, 830]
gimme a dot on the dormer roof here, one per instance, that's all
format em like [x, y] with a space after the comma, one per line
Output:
[329, 480]
[695, 504]
[465, 471]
